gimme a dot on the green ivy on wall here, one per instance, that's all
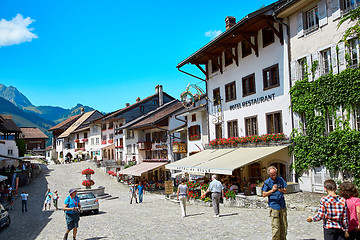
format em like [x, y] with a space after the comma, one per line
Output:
[340, 148]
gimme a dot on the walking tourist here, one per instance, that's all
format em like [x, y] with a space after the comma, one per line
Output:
[71, 208]
[349, 191]
[274, 188]
[12, 198]
[48, 196]
[24, 196]
[55, 199]
[183, 195]
[333, 211]
[140, 191]
[217, 191]
[133, 193]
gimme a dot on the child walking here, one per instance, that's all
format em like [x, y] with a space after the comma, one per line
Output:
[333, 211]
[350, 193]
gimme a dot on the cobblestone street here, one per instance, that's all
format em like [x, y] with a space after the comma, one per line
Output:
[156, 218]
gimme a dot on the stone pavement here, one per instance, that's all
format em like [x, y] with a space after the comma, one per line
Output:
[156, 218]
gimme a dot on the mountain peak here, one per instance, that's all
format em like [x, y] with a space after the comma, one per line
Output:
[14, 96]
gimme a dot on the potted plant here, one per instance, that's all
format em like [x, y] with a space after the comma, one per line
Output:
[259, 185]
[87, 172]
[88, 183]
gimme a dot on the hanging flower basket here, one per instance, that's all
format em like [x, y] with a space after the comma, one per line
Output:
[85, 140]
[87, 171]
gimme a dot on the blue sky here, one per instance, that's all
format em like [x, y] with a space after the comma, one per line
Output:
[105, 53]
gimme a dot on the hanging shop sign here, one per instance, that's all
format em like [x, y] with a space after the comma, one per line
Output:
[253, 101]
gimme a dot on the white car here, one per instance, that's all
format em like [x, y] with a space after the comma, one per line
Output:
[88, 202]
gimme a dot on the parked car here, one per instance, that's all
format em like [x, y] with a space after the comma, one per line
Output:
[4, 217]
[88, 202]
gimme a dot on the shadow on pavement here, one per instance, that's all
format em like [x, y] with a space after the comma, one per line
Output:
[29, 225]
[195, 214]
[92, 214]
[228, 215]
[95, 238]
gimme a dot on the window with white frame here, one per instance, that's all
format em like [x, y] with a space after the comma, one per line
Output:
[312, 19]
[232, 128]
[95, 129]
[354, 53]
[303, 123]
[273, 122]
[326, 61]
[103, 137]
[128, 149]
[357, 117]
[329, 122]
[92, 141]
[97, 141]
[348, 5]
[10, 152]
[302, 67]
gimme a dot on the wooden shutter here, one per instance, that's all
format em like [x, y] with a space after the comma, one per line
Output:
[334, 60]
[322, 13]
[342, 61]
[335, 9]
[293, 72]
[309, 64]
[300, 23]
[316, 57]
[296, 121]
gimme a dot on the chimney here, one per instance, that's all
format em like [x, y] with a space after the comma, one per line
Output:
[229, 22]
[137, 99]
[127, 104]
[82, 110]
[159, 91]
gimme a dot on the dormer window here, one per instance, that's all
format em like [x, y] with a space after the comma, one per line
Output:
[142, 109]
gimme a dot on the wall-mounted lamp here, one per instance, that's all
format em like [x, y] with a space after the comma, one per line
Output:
[241, 169]
[264, 169]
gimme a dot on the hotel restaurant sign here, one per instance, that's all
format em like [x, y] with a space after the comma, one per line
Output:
[253, 101]
[195, 170]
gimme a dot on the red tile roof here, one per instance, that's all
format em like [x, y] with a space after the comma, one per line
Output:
[65, 124]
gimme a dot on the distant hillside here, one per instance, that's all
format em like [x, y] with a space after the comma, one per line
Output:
[25, 119]
[52, 114]
[14, 96]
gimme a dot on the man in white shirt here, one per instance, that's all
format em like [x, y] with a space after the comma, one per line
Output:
[216, 188]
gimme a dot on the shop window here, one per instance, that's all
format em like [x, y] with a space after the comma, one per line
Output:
[232, 128]
[228, 58]
[271, 77]
[194, 133]
[246, 49]
[326, 61]
[248, 84]
[268, 36]
[312, 20]
[216, 96]
[218, 130]
[230, 92]
[193, 118]
[274, 123]
[251, 127]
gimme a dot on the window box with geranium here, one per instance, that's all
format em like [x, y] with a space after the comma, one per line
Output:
[76, 140]
[88, 183]
[110, 141]
[85, 140]
[103, 142]
[194, 133]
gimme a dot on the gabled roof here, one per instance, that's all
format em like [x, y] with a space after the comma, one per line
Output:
[31, 133]
[77, 124]
[123, 110]
[65, 124]
[8, 125]
[155, 116]
[249, 25]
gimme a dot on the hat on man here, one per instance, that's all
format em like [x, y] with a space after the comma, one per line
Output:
[72, 190]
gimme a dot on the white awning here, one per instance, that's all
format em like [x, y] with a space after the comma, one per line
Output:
[223, 161]
[143, 167]
[3, 178]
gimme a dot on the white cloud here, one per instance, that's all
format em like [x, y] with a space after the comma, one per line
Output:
[16, 31]
[213, 34]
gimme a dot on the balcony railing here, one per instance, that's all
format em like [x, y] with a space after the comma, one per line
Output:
[145, 145]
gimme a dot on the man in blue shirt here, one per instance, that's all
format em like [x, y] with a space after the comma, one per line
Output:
[274, 188]
[140, 190]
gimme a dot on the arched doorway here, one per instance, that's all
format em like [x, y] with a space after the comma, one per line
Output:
[254, 172]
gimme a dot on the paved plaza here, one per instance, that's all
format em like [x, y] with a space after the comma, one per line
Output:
[156, 218]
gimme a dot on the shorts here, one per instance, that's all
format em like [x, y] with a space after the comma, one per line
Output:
[47, 201]
[72, 220]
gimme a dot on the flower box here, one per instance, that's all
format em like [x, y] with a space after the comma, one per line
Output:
[88, 183]
[87, 171]
[110, 141]
[85, 140]
[76, 140]
[194, 137]
[103, 142]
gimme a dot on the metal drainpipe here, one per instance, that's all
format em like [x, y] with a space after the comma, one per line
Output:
[290, 83]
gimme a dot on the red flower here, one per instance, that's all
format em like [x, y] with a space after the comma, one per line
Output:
[87, 171]
[88, 183]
